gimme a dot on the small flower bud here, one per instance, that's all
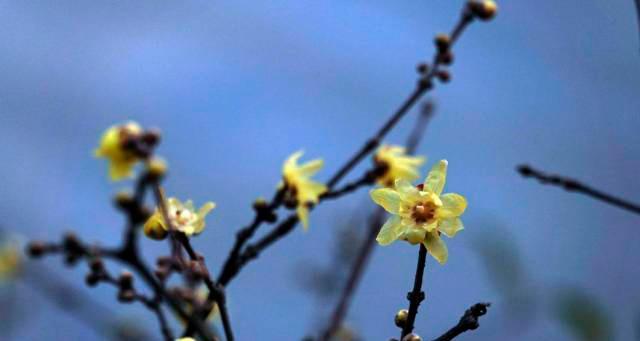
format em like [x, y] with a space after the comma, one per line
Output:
[126, 296]
[162, 273]
[126, 280]
[154, 228]
[157, 167]
[123, 199]
[36, 249]
[422, 68]
[96, 265]
[412, 337]
[92, 279]
[401, 317]
[151, 137]
[483, 9]
[443, 42]
[446, 57]
[444, 76]
[425, 83]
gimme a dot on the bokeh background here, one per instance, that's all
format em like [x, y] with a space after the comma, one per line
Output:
[237, 86]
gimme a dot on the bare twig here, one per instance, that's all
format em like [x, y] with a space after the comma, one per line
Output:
[468, 321]
[575, 186]
[416, 295]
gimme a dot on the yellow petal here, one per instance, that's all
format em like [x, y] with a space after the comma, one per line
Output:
[453, 205]
[387, 198]
[390, 231]
[405, 188]
[414, 236]
[310, 168]
[291, 164]
[154, 227]
[303, 215]
[436, 178]
[436, 247]
[451, 226]
[206, 208]
[120, 170]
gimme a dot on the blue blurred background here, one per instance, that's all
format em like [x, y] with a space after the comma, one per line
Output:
[238, 86]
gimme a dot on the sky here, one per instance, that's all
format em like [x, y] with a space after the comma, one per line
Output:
[236, 87]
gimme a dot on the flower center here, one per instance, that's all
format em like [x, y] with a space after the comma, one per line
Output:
[423, 212]
[183, 217]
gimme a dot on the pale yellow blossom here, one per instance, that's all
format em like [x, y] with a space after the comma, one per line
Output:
[299, 186]
[112, 147]
[183, 216]
[396, 164]
[421, 214]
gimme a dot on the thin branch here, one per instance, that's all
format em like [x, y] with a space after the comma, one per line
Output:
[367, 246]
[468, 321]
[575, 186]
[416, 295]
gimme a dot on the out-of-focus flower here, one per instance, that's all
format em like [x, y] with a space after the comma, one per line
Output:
[113, 148]
[9, 260]
[421, 213]
[186, 339]
[396, 164]
[299, 186]
[183, 216]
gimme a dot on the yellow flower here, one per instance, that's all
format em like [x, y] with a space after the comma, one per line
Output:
[112, 147]
[421, 214]
[183, 217]
[9, 261]
[300, 189]
[396, 165]
[186, 339]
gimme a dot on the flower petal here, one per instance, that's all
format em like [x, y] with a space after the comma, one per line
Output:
[387, 198]
[451, 226]
[292, 162]
[436, 247]
[453, 205]
[436, 178]
[310, 168]
[390, 231]
[303, 215]
[405, 188]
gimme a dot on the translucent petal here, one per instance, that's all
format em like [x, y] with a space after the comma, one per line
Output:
[291, 163]
[303, 215]
[436, 247]
[387, 198]
[451, 226]
[405, 188]
[453, 205]
[390, 231]
[436, 178]
[310, 168]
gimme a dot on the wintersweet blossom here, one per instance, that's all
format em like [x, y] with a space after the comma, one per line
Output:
[300, 189]
[183, 216]
[396, 164]
[186, 339]
[422, 213]
[113, 148]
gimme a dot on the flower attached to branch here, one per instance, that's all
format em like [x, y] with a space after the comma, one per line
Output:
[422, 213]
[183, 216]
[394, 164]
[114, 146]
[300, 191]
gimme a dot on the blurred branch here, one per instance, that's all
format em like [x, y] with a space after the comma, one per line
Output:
[368, 244]
[468, 321]
[571, 185]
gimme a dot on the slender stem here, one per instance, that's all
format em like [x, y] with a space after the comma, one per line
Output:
[575, 186]
[416, 295]
[468, 321]
[367, 246]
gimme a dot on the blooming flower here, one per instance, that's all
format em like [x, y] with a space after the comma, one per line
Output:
[300, 189]
[396, 164]
[421, 213]
[183, 216]
[113, 147]
[9, 261]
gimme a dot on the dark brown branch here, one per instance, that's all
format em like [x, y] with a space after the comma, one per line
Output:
[468, 321]
[368, 244]
[416, 295]
[368, 178]
[575, 186]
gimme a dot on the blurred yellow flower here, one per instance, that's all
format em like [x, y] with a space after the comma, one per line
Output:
[9, 261]
[183, 216]
[396, 165]
[112, 148]
[186, 339]
[299, 186]
[421, 214]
